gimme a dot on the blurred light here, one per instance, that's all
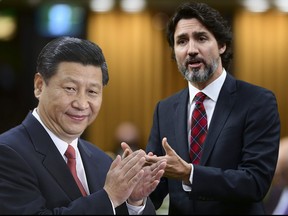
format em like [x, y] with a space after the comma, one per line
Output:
[133, 5]
[7, 27]
[256, 5]
[60, 19]
[281, 5]
[102, 5]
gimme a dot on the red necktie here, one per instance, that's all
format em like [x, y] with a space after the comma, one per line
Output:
[71, 162]
[198, 128]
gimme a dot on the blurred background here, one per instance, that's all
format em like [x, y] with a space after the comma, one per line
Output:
[132, 36]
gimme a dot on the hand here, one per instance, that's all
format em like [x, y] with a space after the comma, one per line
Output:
[148, 183]
[123, 175]
[176, 167]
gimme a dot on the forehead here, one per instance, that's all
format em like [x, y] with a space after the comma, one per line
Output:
[78, 72]
[185, 26]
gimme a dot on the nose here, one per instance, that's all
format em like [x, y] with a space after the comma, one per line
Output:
[192, 48]
[81, 102]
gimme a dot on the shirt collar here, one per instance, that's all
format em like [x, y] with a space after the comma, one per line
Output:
[60, 144]
[212, 90]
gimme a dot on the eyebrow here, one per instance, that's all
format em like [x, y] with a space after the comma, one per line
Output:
[69, 79]
[199, 33]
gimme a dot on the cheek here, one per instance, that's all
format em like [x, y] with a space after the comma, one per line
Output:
[178, 57]
[179, 52]
[53, 94]
[96, 106]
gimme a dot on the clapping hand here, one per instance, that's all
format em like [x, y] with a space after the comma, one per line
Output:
[149, 181]
[123, 176]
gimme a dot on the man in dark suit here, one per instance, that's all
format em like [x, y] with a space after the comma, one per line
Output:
[34, 176]
[239, 154]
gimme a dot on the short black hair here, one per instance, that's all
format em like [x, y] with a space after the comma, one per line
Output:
[70, 49]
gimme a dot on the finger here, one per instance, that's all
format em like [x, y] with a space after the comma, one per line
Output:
[152, 159]
[159, 165]
[134, 164]
[158, 176]
[136, 178]
[162, 165]
[125, 147]
[135, 173]
[134, 156]
[166, 146]
[125, 153]
[150, 154]
[154, 185]
[159, 170]
[115, 162]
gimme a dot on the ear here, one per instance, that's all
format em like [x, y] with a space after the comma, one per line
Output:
[222, 49]
[38, 85]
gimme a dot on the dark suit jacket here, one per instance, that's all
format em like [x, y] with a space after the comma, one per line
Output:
[34, 178]
[240, 151]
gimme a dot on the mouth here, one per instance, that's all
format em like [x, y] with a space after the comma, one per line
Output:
[77, 117]
[194, 63]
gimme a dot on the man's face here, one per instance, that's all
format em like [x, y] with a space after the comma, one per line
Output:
[71, 100]
[197, 52]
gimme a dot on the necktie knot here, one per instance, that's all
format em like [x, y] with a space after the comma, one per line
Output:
[199, 97]
[70, 152]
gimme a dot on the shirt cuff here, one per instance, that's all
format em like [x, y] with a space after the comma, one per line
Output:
[136, 210]
[186, 187]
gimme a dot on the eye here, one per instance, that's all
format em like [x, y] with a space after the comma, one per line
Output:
[181, 41]
[70, 89]
[202, 39]
[94, 92]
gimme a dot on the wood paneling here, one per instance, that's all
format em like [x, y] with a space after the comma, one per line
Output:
[141, 72]
[261, 51]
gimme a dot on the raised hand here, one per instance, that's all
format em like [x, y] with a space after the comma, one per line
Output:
[149, 180]
[123, 175]
[176, 167]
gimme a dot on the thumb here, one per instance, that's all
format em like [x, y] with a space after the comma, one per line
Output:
[126, 149]
[166, 146]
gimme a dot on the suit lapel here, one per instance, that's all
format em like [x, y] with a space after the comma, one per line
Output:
[92, 166]
[180, 119]
[57, 167]
[52, 159]
[224, 105]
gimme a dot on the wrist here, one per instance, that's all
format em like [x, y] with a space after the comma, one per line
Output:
[135, 203]
[187, 175]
